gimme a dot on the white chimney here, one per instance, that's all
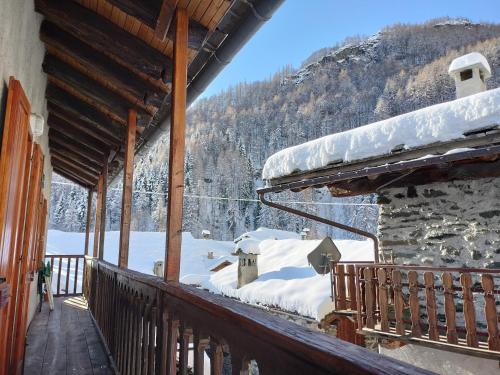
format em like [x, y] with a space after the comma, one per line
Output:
[470, 72]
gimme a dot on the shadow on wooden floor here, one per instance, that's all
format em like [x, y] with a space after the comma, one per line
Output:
[65, 341]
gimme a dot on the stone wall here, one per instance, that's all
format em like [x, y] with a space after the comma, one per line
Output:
[21, 56]
[454, 224]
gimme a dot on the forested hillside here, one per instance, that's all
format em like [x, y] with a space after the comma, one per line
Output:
[400, 69]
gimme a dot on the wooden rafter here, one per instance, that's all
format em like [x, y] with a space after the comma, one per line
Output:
[67, 143]
[106, 37]
[62, 127]
[96, 148]
[99, 65]
[72, 178]
[88, 181]
[74, 158]
[73, 167]
[165, 17]
[82, 125]
[158, 15]
[83, 110]
[100, 95]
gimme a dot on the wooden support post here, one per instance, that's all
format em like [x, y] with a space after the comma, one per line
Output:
[128, 178]
[176, 157]
[87, 226]
[97, 223]
[103, 207]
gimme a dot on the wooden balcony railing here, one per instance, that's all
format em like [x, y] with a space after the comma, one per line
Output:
[343, 281]
[149, 326]
[449, 308]
[67, 274]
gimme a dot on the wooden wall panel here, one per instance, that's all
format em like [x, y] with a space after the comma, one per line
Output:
[12, 180]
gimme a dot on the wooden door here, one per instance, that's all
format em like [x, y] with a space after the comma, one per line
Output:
[29, 245]
[13, 158]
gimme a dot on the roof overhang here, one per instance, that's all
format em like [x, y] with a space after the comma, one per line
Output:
[475, 156]
[105, 57]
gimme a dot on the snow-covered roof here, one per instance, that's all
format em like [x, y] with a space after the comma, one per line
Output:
[438, 123]
[286, 280]
[468, 61]
[265, 234]
[247, 246]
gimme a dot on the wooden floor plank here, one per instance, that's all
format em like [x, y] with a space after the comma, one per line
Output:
[65, 341]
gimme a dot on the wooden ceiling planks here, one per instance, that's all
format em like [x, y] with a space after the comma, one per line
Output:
[105, 57]
[101, 68]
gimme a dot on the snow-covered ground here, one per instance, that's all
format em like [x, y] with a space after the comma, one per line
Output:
[285, 278]
[437, 123]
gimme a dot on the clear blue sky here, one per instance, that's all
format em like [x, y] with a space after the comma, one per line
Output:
[300, 27]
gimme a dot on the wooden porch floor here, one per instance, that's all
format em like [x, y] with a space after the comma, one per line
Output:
[65, 341]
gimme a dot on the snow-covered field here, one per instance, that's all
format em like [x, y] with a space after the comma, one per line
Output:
[285, 278]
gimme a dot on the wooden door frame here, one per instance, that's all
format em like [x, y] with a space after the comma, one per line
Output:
[13, 159]
[29, 244]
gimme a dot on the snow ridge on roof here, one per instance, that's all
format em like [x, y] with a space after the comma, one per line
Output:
[438, 123]
[469, 60]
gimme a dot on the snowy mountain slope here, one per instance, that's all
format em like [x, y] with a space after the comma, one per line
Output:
[400, 69]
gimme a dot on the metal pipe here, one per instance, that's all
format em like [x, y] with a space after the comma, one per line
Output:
[323, 221]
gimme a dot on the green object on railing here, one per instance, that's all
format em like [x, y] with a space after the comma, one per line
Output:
[46, 271]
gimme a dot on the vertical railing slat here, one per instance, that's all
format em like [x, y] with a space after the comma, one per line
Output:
[369, 298]
[490, 311]
[383, 300]
[341, 295]
[59, 277]
[200, 344]
[416, 328]
[185, 334]
[217, 360]
[469, 312]
[430, 298]
[449, 308]
[68, 271]
[76, 275]
[398, 301]
[351, 286]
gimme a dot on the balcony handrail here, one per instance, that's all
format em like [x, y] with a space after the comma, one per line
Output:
[246, 332]
[79, 266]
[387, 292]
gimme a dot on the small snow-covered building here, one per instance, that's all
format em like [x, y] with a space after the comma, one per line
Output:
[436, 173]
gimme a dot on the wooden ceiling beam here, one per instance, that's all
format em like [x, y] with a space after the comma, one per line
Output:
[97, 93]
[145, 11]
[67, 164]
[83, 110]
[106, 37]
[89, 144]
[72, 178]
[165, 17]
[121, 78]
[81, 125]
[63, 149]
[63, 127]
[197, 34]
[75, 158]
[56, 163]
[74, 146]
[159, 15]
